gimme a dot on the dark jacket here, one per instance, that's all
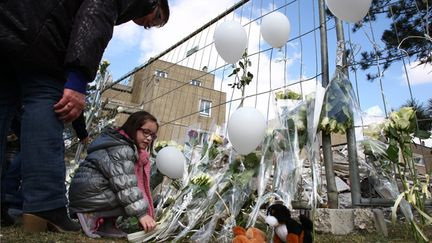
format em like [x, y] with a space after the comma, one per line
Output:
[54, 36]
[106, 179]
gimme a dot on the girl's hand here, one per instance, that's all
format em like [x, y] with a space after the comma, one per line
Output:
[147, 223]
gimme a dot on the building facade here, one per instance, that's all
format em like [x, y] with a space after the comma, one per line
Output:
[181, 98]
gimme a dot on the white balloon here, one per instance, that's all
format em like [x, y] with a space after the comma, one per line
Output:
[246, 129]
[230, 39]
[170, 162]
[275, 29]
[349, 10]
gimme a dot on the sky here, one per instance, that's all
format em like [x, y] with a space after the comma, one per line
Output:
[132, 46]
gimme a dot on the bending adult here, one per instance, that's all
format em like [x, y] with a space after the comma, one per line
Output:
[50, 50]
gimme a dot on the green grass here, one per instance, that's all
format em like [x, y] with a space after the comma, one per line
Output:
[15, 234]
[397, 234]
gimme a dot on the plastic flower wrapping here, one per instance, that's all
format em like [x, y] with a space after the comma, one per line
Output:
[314, 109]
[297, 131]
[288, 139]
[390, 158]
[291, 111]
[206, 203]
[339, 105]
[221, 189]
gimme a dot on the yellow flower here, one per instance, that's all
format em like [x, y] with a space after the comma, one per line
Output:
[402, 119]
[325, 121]
[300, 125]
[279, 95]
[287, 94]
[172, 143]
[373, 131]
[412, 199]
[332, 124]
[425, 190]
[216, 138]
[161, 144]
[180, 147]
[202, 180]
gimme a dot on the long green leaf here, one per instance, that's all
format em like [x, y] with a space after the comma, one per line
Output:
[425, 215]
[419, 231]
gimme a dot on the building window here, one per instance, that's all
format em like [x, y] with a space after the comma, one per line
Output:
[131, 80]
[192, 51]
[418, 159]
[203, 138]
[161, 74]
[195, 82]
[205, 107]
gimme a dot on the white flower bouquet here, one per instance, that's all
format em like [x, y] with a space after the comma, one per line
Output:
[209, 200]
[391, 159]
[291, 111]
[339, 104]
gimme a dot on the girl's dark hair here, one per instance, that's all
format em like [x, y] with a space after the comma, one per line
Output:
[135, 121]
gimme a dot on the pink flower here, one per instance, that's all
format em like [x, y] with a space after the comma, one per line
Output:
[193, 134]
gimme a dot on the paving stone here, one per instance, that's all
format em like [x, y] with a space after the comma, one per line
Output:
[380, 223]
[347, 221]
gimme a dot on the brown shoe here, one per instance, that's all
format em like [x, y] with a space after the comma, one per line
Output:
[56, 220]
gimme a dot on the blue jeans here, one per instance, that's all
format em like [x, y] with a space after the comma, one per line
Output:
[42, 147]
[11, 184]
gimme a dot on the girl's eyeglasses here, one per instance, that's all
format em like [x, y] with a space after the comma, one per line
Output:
[147, 133]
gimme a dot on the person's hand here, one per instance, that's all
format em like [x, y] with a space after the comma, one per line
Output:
[147, 223]
[70, 105]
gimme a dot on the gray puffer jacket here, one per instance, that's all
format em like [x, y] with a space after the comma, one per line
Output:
[106, 179]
